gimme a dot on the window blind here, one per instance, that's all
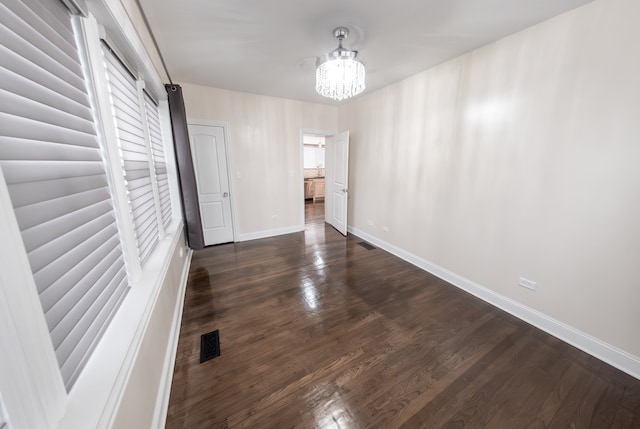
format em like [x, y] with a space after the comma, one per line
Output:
[126, 111]
[54, 171]
[159, 162]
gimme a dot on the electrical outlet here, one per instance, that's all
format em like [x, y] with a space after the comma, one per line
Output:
[529, 284]
[385, 228]
[370, 222]
[275, 217]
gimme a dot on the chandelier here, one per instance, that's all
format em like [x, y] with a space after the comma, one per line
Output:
[340, 74]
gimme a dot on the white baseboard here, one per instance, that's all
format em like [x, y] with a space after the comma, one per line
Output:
[164, 390]
[270, 233]
[613, 356]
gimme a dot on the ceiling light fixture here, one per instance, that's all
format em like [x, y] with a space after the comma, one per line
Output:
[340, 74]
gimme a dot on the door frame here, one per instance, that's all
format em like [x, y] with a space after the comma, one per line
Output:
[229, 161]
[303, 131]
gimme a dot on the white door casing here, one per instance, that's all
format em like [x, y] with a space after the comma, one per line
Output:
[209, 153]
[337, 181]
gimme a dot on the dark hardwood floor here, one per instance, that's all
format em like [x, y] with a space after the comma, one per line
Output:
[316, 331]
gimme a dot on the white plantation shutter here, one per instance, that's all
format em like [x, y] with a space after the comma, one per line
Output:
[130, 130]
[159, 162]
[55, 175]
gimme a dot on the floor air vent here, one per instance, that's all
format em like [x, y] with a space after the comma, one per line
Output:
[209, 346]
[366, 245]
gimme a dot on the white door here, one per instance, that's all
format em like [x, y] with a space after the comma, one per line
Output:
[209, 153]
[337, 180]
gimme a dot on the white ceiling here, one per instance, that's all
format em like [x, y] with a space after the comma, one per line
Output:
[270, 47]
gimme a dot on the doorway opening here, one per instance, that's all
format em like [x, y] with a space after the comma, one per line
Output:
[313, 167]
[313, 174]
[332, 175]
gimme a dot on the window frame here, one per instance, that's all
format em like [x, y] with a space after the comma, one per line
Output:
[30, 378]
[108, 110]
[97, 393]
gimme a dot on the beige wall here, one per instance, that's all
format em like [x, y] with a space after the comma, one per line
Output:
[264, 140]
[521, 158]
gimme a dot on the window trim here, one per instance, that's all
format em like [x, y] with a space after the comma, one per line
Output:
[112, 65]
[33, 390]
[35, 395]
[106, 129]
[97, 394]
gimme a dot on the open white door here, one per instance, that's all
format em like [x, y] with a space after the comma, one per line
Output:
[337, 181]
[209, 153]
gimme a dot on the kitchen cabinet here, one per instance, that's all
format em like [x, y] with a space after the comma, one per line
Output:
[314, 188]
[308, 189]
[318, 189]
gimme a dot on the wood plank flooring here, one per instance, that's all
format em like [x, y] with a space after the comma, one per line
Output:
[316, 331]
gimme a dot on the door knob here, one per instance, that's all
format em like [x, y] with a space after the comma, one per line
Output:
[345, 190]
[225, 195]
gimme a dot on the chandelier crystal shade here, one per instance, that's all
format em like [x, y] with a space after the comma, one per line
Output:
[340, 74]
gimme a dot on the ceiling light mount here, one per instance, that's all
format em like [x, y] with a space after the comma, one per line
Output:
[341, 33]
[340, 74]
